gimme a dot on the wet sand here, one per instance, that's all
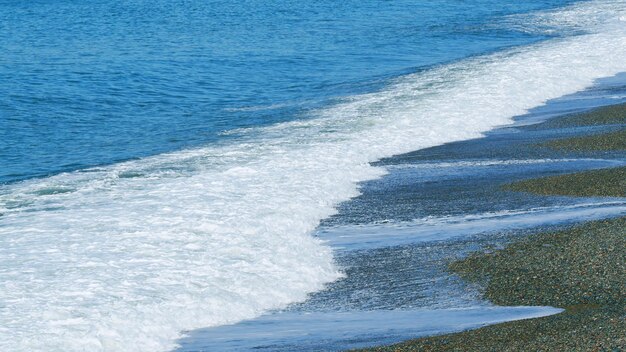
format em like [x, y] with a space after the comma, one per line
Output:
[581, 268]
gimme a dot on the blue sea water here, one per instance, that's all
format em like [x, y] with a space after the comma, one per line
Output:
[91, 83]
[165, 165]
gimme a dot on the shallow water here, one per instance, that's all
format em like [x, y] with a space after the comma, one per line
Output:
[337, 331]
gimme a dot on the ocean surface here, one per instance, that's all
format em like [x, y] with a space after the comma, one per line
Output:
[165, 164]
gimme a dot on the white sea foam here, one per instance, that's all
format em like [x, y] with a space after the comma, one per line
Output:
[124, 258]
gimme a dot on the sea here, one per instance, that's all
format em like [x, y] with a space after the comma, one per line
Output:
[165, 165]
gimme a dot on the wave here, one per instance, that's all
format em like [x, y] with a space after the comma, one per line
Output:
[127, 257]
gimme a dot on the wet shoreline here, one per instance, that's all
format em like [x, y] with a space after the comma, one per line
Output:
[447, 188]
[580, 268]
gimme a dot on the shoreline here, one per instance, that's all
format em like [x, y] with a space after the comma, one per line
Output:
[442, 187]
[580, 268]
[530, 271]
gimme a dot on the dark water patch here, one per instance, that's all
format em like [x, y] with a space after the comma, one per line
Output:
[16, 204]
[33, 210]
[48, 191]
[130, 174]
